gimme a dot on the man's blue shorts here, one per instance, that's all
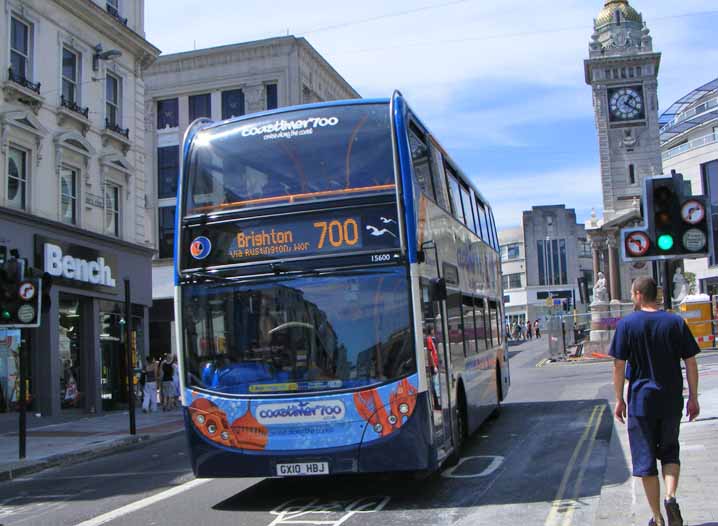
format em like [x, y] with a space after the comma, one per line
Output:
[653, 439]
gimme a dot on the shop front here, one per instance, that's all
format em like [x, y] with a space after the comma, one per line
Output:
[78, 357]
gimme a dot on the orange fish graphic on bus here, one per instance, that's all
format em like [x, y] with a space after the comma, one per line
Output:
[402, 401]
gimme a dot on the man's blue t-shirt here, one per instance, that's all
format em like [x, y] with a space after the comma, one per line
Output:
[653, 344]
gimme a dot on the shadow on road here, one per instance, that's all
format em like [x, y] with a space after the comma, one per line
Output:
[547, 451]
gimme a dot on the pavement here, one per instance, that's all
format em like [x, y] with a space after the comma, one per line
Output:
[622, 499]
[76, 437]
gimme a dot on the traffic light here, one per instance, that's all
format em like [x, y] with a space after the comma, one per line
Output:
[676, 226]
[20, 297]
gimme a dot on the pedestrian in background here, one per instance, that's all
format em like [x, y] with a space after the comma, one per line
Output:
[537, 329]
[168, 387]
[653, 342]
[149, 398]
[528, 330]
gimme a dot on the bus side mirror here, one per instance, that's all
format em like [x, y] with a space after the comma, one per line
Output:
[437, 289]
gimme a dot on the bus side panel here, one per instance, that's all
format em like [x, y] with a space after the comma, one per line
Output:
[478, 277]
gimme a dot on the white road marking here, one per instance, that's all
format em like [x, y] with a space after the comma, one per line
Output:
[135, 506]
[104, 475]
[696, 447]
[299, 511]
[495, 464]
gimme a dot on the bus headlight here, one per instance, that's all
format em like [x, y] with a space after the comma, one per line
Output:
[392, 419]
[212, 429]
[224, 435]
[200, 419]
[378, 428]
[404, 409]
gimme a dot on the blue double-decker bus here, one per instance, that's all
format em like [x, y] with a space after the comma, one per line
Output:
[338, 294]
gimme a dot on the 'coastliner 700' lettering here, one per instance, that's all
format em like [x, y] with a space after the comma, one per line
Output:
[281, 126]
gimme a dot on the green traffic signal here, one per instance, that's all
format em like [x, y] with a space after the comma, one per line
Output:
[5, 315]
[665, 242]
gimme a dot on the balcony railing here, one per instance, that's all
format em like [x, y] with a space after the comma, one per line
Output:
[700, 142]
[115, 13]
[114, 127]
[73, 106]
[22, 81]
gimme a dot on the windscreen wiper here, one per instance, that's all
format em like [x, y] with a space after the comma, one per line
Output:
[207, 275]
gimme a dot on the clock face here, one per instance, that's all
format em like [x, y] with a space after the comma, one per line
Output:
[626, 104]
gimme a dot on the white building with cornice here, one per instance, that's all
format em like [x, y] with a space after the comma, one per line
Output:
[73, 182]
[217, 83]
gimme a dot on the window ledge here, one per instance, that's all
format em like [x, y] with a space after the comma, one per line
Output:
[118, 136]
[16, 91]
[65, 114]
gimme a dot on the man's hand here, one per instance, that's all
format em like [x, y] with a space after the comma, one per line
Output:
[693, 409]
[620, 411]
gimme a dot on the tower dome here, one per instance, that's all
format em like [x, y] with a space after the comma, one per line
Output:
[624, 10]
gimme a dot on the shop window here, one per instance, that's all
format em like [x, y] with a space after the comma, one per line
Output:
[16, 191]
[232, 103]
[72, 388]
[200, 106]
[167, 171]
[68, 196]
[167, 114]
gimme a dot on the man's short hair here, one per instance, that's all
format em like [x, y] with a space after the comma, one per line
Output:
[647, 287]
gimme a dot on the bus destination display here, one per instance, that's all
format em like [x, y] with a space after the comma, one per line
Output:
[291, 237]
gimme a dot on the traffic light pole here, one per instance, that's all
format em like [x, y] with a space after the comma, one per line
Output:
[22, 425]
[667, 285]
[128, 354]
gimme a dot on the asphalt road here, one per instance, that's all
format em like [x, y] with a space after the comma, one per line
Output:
[542, 462]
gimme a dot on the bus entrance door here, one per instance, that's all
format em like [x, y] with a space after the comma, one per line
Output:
[435, 361]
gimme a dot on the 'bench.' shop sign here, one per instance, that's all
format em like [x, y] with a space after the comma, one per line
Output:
[82, 266]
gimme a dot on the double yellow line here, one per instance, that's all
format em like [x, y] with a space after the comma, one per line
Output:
[561, 513]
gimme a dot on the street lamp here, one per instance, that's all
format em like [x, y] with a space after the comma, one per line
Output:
[103, 55]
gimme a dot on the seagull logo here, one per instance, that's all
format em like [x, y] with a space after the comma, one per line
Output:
[387, 221]
[374, 231]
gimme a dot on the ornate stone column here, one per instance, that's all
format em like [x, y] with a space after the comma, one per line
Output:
[613, 271]
[596, 246]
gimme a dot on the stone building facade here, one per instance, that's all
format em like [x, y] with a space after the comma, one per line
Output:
[72, 185]
[543, 260]
[622, 70]
[217, 83]
[689, 142]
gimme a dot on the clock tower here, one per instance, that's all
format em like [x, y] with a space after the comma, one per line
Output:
[622, 70]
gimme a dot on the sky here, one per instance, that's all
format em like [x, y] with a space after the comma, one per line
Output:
[500, 83]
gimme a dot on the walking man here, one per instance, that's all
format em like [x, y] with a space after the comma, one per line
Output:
[653, 342]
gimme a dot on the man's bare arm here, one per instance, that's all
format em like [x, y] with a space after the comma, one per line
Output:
[692, 407]
[619, 379]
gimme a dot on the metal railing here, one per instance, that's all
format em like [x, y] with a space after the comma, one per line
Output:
[116, 128]
[700, 142]
[23, 81]
[116, 14]
[73, 106]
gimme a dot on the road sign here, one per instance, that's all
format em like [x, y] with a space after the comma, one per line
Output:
[637, 244]
[26, 291]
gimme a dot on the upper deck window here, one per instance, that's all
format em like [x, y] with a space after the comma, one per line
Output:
[300, 156]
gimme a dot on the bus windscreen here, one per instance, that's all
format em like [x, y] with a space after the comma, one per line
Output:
[297, 156]
[297, 335]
